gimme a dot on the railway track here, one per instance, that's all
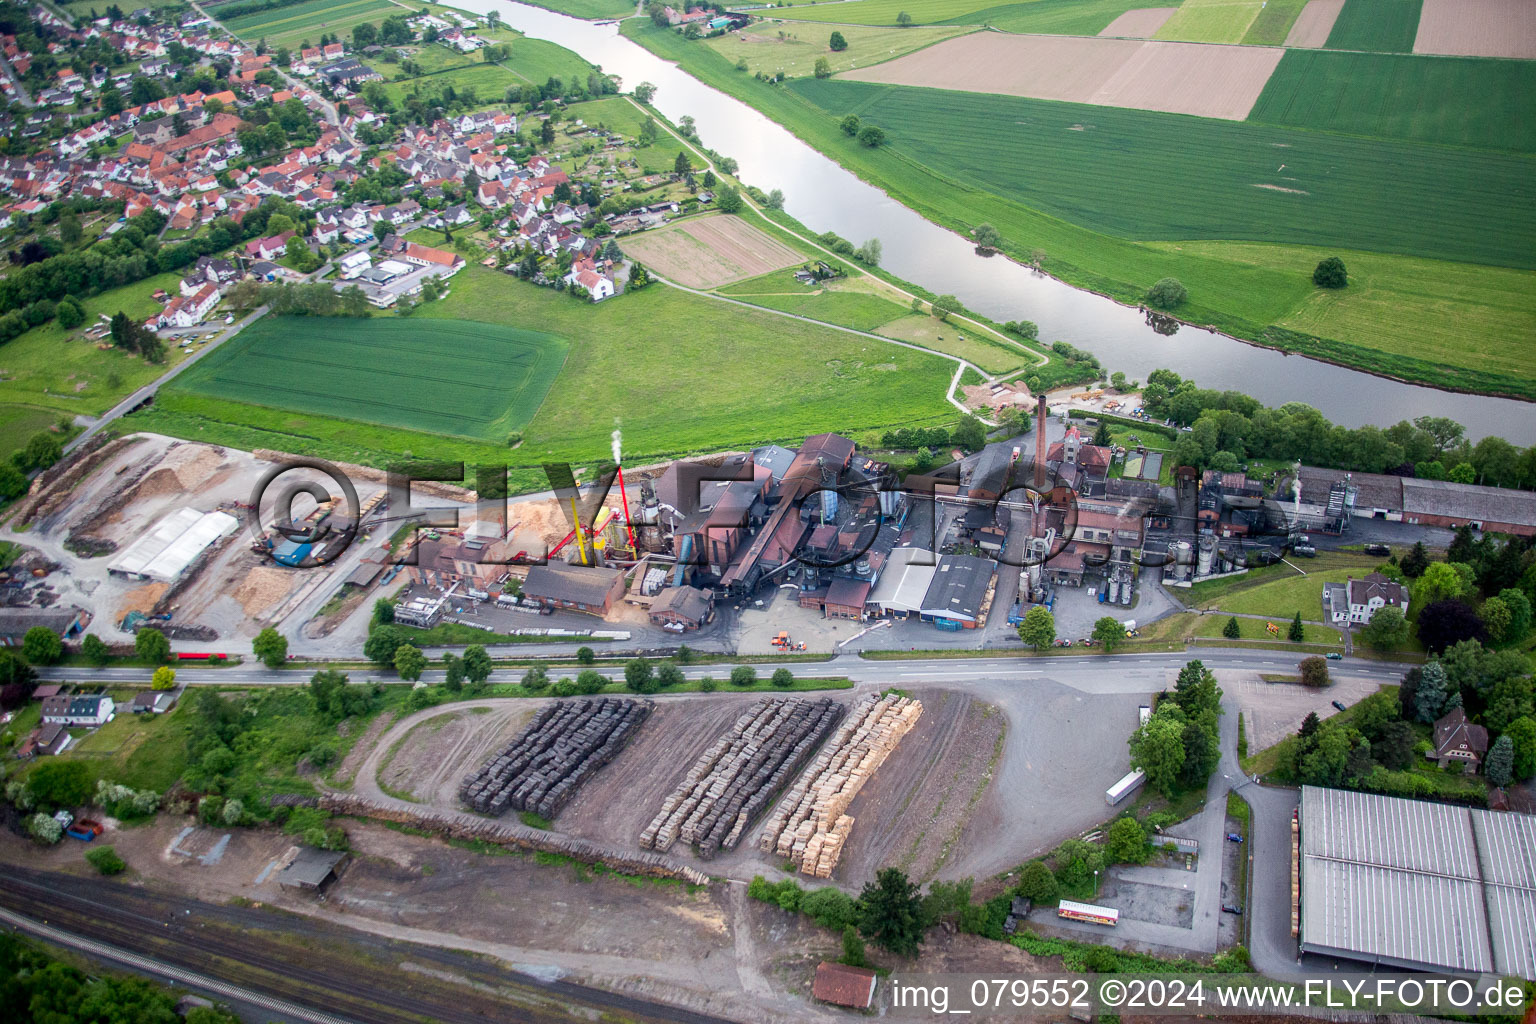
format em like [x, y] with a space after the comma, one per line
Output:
[307, 963]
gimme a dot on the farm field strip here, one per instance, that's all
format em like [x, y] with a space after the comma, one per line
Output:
[1142, 23]
[1456, 101]
[711, 251]
[801, 45]
[318, 15]
[1385, 26]
[1054, 17]
[1211, 21]
[1274, 22]
[1187, 78]
[1314, 24]
[1478, 28]
[392, 372]
[1202, 178]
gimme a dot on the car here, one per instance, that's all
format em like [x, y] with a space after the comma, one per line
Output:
[1229, 909]
[229, 319]
[1340, 705]
[1233, 837]
[1334, 656]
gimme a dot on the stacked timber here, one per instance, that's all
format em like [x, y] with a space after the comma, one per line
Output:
[811, 825]
[541, 770]
[737, 778]
[456, 825]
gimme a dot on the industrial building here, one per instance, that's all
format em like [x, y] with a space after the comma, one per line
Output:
[580, 588]
[1418, 885]
[1328, 499]
[176, 542]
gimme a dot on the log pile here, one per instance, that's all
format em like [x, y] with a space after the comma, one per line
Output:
[541, 770]
[736, 779]
[453, 825]
[810, 825]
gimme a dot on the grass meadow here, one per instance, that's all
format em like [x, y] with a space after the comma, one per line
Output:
[592, 10]
[291, 26]
[1211, 21]
[1056, 17]
[796, 53]
[463, 378]
[1452, 101]
[1384, 26]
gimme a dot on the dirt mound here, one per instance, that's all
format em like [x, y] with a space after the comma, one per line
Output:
[264, 587]
[141, 599]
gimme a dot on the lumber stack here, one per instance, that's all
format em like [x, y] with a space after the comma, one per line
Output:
[541, 770]
[811, 824]
[737, 778]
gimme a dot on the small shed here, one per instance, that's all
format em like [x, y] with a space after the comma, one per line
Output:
[842, 985]
[312, 869]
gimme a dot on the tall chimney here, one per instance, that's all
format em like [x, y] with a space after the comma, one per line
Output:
[1041, 414]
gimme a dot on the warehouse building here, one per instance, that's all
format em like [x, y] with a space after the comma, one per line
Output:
[175, 543]
[1411, 884]
[578, 588]
[960, 592]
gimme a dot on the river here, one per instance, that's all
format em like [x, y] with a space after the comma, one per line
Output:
[825, 197]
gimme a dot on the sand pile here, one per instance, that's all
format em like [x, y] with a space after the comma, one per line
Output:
[264, 587]
[141, 599]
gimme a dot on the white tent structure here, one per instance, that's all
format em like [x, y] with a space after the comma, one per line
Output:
[165, 552]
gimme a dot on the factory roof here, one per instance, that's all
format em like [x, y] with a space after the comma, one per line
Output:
[1468, 501]
[959, 587]
[1372, 490]
[165, 551]
[575, 584]
[1415, 884]
[774, 458]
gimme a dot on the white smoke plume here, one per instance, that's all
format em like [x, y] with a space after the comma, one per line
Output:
[618, 444]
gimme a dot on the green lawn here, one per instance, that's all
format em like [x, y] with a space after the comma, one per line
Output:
[793, 48]
[1386, 26]
[1274, 22]
[1211, 626]
[19, 422]
[142, 751]
[1279, 591]
[657, 363]
[427, 375]
[1454, 101]
[1250, 298]
[592, 10]
[1211, 21]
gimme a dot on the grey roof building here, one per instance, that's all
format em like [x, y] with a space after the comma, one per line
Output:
[1425, 886]
[312, 868]
[959, 588]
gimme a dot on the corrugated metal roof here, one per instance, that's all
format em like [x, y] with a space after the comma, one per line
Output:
[1421, 884]
[164, 552]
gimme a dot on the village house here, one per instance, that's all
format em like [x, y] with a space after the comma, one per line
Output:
[76, 710]
[1458, 741]
[1357, 601]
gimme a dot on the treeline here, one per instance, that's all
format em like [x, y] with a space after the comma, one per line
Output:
[225, 12]
[308, 299]
[1178, 747]
[1229, 427]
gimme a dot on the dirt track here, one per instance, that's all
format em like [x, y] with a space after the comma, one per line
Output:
[1311, 28]
[1478, 28]
[1204, 79]
[711, 251]
[436, 754]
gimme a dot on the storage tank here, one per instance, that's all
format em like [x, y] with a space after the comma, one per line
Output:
[1125, 592]
[1207, 553]
[1114, 591]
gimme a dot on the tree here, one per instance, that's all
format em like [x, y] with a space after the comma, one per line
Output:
[409, 662]
[1232, 630]
[585, 656]
[45, 829]
[1036, 883]
[13, 482]
[645, 91]
[365, 34]
[728, 199]
[849, 124]
[164, 678]
[872, 136]
[453, 672]
[837, 42]
[1500, 766]
[890, 912]
[1297, 633]
[42, 646]
[1109, 632]
[970, 434]
[869, 252]
[381, 644]
[547, 132]
[1387, 629]
[95, 649]
[782, 679]
[1314, 672]
[106, 861]
[987, 236]
[477, 664]
[1522, 733]
[853, 948]
[1157, 748]
[682, 165]
[1415, 561]
[1496, 618]
[152, 646]
[1445, 623]
[823, 68]
[1038, 628]
[1330, 273]
[904, 20]
[775, 200]
[1519, 614]
[743, 675]
[669, 675]
[1126, 842]
[1430, 695]
[639, 676]
[1440, 581]
[590, 681]
[271, 647]
[945, 306]
[70, 314]
[61, 784]
[1167, 294]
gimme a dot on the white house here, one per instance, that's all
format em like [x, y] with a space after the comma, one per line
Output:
[78, 710]
[584, 275]
[1357, 601]
[355, 264]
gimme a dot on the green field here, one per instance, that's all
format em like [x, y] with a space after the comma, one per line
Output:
[1202, 178]
[1454, 101]
[592, 10]
[657, 363]
[19, 422]
[1385, 26]
[796, 53]
[1055, 17]
[290, 26]
[1210, 21]
[463, 378]
[1274, 22]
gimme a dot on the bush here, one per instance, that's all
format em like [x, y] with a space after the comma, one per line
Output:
[42, 646]
[1037, 884]
[151, 645]
[837, 42]
[830, 908]
[707, 684]
[743, 675]
[106, 861]
[1167, 294]
[1314, 672]
[585, 656]
[589, 681]
[564, 688]
[1127, 841]
[44, 828]
[783, 678]
[95, 649]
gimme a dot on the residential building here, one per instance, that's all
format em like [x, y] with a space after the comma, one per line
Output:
[1458, 741]
[1356, 601]
[66, 709]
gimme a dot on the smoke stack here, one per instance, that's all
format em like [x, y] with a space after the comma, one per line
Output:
[1041, 414]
